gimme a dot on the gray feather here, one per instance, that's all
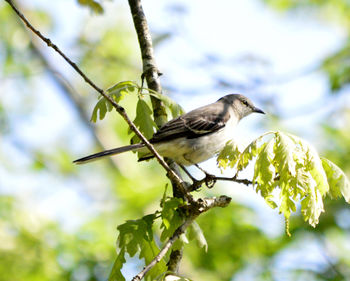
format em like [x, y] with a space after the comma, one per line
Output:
[109, 152]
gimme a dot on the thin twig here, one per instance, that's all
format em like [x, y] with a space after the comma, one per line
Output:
[171, 174]
[201, 206]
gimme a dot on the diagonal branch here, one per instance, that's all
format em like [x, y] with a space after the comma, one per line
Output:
[200, 206]
[170, 173]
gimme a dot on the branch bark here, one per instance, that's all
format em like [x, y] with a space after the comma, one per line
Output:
[150, 69]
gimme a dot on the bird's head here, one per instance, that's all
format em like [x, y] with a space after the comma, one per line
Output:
[242, 106]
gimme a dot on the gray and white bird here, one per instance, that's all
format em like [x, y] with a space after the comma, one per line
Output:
[195, 136]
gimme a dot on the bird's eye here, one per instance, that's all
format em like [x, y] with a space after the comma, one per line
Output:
[245, 103]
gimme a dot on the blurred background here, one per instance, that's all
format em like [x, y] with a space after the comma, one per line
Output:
[58, 221]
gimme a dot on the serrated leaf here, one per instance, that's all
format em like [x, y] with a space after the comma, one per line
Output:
[137, 236]
[285, 148]
[314, 165]
[264, 171]
[228, 156]
[248, 154]
[119, 90]
[312, 206]
[338, 182]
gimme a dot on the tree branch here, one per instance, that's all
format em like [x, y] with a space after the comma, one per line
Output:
[170, 173]
[151, 73]
[200, 206]
[150, 70]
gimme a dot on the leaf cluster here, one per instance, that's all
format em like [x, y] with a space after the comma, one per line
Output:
[137, 236]
[288, 171]
[144, 120]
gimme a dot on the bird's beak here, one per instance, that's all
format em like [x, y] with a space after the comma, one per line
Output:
[258, 110]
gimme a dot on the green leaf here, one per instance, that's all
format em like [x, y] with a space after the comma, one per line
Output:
[284, 151]
[137, 236]
[144, 121]
[228, 156]
[116, 274]
[338, 182]
[119, 90]
[171, 218]
[99, 109]
[312, 205]
[264, 171]
[93, 5]
[293, 167]
[251, 151]
[175, 108]
[148, 251]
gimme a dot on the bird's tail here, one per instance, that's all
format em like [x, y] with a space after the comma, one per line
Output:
[109, 152]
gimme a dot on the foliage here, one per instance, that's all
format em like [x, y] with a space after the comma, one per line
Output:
[137, 236]
[288, 171]
[144, 119]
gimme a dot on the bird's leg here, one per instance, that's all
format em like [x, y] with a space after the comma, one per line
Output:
[209, 178]
[196, 184]
[188, 173]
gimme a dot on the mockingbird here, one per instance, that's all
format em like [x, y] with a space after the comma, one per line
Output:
[195, 136]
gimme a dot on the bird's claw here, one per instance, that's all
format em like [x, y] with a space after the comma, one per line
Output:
[209, 180]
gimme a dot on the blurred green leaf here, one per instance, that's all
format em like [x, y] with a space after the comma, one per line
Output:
[116, 274]
[338, 182]
[95, 6]
[100, 110]
[196, 233]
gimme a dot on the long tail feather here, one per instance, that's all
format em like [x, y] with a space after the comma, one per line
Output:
[109, 152]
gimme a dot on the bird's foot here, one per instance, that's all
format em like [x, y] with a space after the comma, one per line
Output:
[209, 180]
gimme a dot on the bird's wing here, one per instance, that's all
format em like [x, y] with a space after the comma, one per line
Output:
[202, 121]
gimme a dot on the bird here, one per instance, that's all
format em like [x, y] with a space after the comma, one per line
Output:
[193, 137]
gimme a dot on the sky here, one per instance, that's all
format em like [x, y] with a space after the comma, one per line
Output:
[290, 46]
